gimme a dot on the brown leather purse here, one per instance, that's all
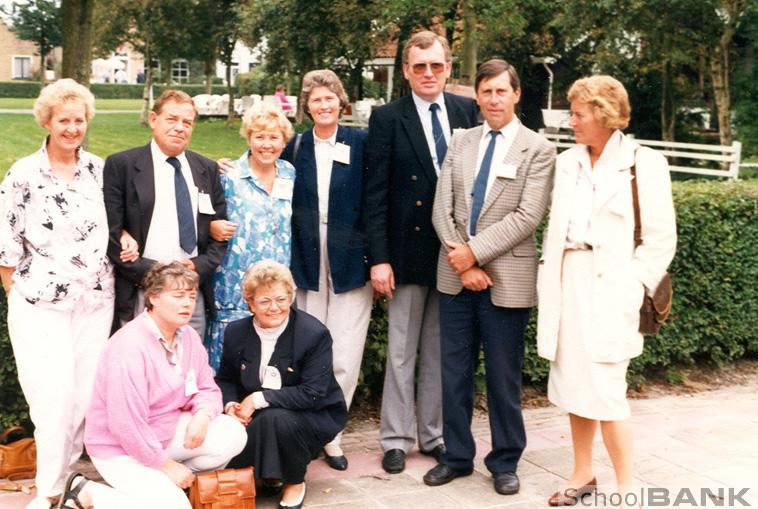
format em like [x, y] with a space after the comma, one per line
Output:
[224, 489]
[18, 459]
[655, 309]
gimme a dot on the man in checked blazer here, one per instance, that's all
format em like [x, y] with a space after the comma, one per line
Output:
[492, 194]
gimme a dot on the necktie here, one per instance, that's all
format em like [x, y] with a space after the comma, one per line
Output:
[440, 145]
[480, 185]
[187, 237]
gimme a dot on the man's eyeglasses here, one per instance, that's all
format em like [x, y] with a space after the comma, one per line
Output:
[281, 301]
[436, 67]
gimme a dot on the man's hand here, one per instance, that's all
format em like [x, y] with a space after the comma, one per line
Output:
[475, 279]
[129, 247]
[225, 164]
[383, 279]
[460, 257]
[178, 473]
[222, 230]
[196, 430]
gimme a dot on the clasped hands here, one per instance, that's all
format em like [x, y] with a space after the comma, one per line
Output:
[462, 260]
[243, 412]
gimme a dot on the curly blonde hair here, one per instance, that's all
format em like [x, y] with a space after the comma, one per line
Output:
[265, 117]
[267, 273]
[58, 93]
[606, 96]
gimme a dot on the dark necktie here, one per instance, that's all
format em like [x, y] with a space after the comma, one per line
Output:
[440, 145]
[187, 237]
[480, 185]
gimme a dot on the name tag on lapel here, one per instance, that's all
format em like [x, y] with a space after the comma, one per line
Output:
[341, 153]
[272, 379]
[282, 189]
[190, 384]
[507, 171]
[204, 205]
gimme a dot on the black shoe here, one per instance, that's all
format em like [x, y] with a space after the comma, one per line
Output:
[336, 462]
[394, 461]
[271, 487]
[506, 483]
[443, 474]
[436, 452]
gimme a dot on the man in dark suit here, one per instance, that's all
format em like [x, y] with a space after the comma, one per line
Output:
[164, 197]
[406, 146]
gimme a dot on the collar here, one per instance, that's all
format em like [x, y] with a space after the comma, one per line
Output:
[332, 140]
[270, 334]
[423, 104]
[158, 154]
[47, 168]
[508, 130]
[159, 336]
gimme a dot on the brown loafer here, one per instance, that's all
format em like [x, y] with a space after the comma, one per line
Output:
[571, 496]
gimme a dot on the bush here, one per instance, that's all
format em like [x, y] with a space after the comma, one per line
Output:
[19, 89]
[22, 89]
[713, 318]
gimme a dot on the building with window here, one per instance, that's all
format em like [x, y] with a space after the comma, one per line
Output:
[19, 59]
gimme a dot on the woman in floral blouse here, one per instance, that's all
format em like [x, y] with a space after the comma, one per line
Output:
[57, 278]
[258, 192]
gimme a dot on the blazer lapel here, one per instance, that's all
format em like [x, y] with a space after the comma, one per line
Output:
[339, 173]
[281, 359]
[251, 360]
[306, 163]
[470, 153]
[563, 201]
[514, 157]
[415, 131]
[144, 186]
[456, 117]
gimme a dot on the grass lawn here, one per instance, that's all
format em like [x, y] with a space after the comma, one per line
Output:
[9, 103]
[20, 136]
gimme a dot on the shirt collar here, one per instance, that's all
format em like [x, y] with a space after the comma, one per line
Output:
[508, 130]
[159, 155]
[423, 104]
[47, 168]
[331, 140]
[172, 354]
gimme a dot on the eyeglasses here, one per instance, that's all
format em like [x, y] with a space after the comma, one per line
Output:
[281, 301]
[436, 67]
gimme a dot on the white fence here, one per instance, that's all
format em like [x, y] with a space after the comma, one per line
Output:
[722, 155]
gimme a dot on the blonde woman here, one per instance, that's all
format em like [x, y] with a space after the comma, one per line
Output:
[592, 279]
[57, 277]
[258, 192]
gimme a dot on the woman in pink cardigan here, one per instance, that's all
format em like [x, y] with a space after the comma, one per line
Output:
[155, 416]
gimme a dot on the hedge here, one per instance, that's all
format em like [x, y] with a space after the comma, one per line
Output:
[714, 318]
[22, 89]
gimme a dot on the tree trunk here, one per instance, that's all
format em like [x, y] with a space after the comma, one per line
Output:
[42, 68]
[210, 68]
[399, 85]
[668, 111]
[470, 44]
[720, 78]
[148, 86]
[77, 39]
[230, 91]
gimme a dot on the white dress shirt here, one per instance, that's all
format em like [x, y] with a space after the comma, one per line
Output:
[162, 243]
[324, 160]
[422, 106]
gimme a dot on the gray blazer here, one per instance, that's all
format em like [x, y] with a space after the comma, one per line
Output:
[513, 208]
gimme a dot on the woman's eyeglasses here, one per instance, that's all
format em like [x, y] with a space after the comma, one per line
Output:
[281, 301]
[436, 67]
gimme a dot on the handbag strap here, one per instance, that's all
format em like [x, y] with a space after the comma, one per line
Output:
[7, 432]
[636, 203]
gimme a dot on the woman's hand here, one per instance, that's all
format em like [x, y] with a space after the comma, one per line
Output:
[129, 247]
[178, 473]
[246, 409]
[222, 230]
[196, 430]
[233, 411]
[225, 164]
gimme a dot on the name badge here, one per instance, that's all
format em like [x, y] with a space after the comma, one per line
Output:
[204, 205]
[507, 171]
[190, 384]
[342, 153]
[271, 378]
[282, 189]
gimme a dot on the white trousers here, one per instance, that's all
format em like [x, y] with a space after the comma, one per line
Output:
[56, 355]
[135, 485]
[347, 316]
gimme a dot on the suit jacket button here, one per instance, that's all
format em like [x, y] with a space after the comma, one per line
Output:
[414, 178]
[417, 228]
[419, 203]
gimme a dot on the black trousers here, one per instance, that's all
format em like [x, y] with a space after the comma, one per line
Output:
[280, 444]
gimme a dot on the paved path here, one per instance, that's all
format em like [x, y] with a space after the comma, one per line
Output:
[708, 440]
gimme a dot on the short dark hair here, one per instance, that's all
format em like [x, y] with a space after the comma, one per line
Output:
[161, 275]
[496, 67]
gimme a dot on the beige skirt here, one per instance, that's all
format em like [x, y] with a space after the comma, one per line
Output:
[593, 390]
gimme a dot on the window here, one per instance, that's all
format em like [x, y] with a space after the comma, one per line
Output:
[180, 71]
[22, 68]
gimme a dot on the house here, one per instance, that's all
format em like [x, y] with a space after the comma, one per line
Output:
[19, 59]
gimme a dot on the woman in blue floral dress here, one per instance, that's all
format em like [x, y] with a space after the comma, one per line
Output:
[258, 192]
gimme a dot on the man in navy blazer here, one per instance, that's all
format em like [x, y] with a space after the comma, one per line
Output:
[406, 145]
[140, 192]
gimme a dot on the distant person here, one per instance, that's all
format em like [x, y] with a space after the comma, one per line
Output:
[407, 142]
[258, 191]
[121, 76]
[592, 277]
[282, 96]
[161, 199]
[276, 377]
[57, 278]
[328, 234]
[141, 77]
[156, 415]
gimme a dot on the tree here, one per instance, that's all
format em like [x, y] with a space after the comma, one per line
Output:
[38, 21]
[77, 39]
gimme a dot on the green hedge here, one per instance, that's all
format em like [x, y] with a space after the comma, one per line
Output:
[22, 89]
[715, 298]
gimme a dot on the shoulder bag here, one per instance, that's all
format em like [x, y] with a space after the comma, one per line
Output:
[224, 489]
[18, 459]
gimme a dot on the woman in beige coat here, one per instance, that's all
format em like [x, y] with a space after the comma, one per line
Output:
[592, 280]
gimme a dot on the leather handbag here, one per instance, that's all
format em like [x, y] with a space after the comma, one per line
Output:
[224, 489]
[18, 459]
[655, 309]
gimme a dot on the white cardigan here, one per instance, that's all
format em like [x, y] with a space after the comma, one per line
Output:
[620, 272]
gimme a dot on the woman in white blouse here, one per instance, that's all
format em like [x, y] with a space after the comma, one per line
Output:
[591, 278]
[57, 278]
